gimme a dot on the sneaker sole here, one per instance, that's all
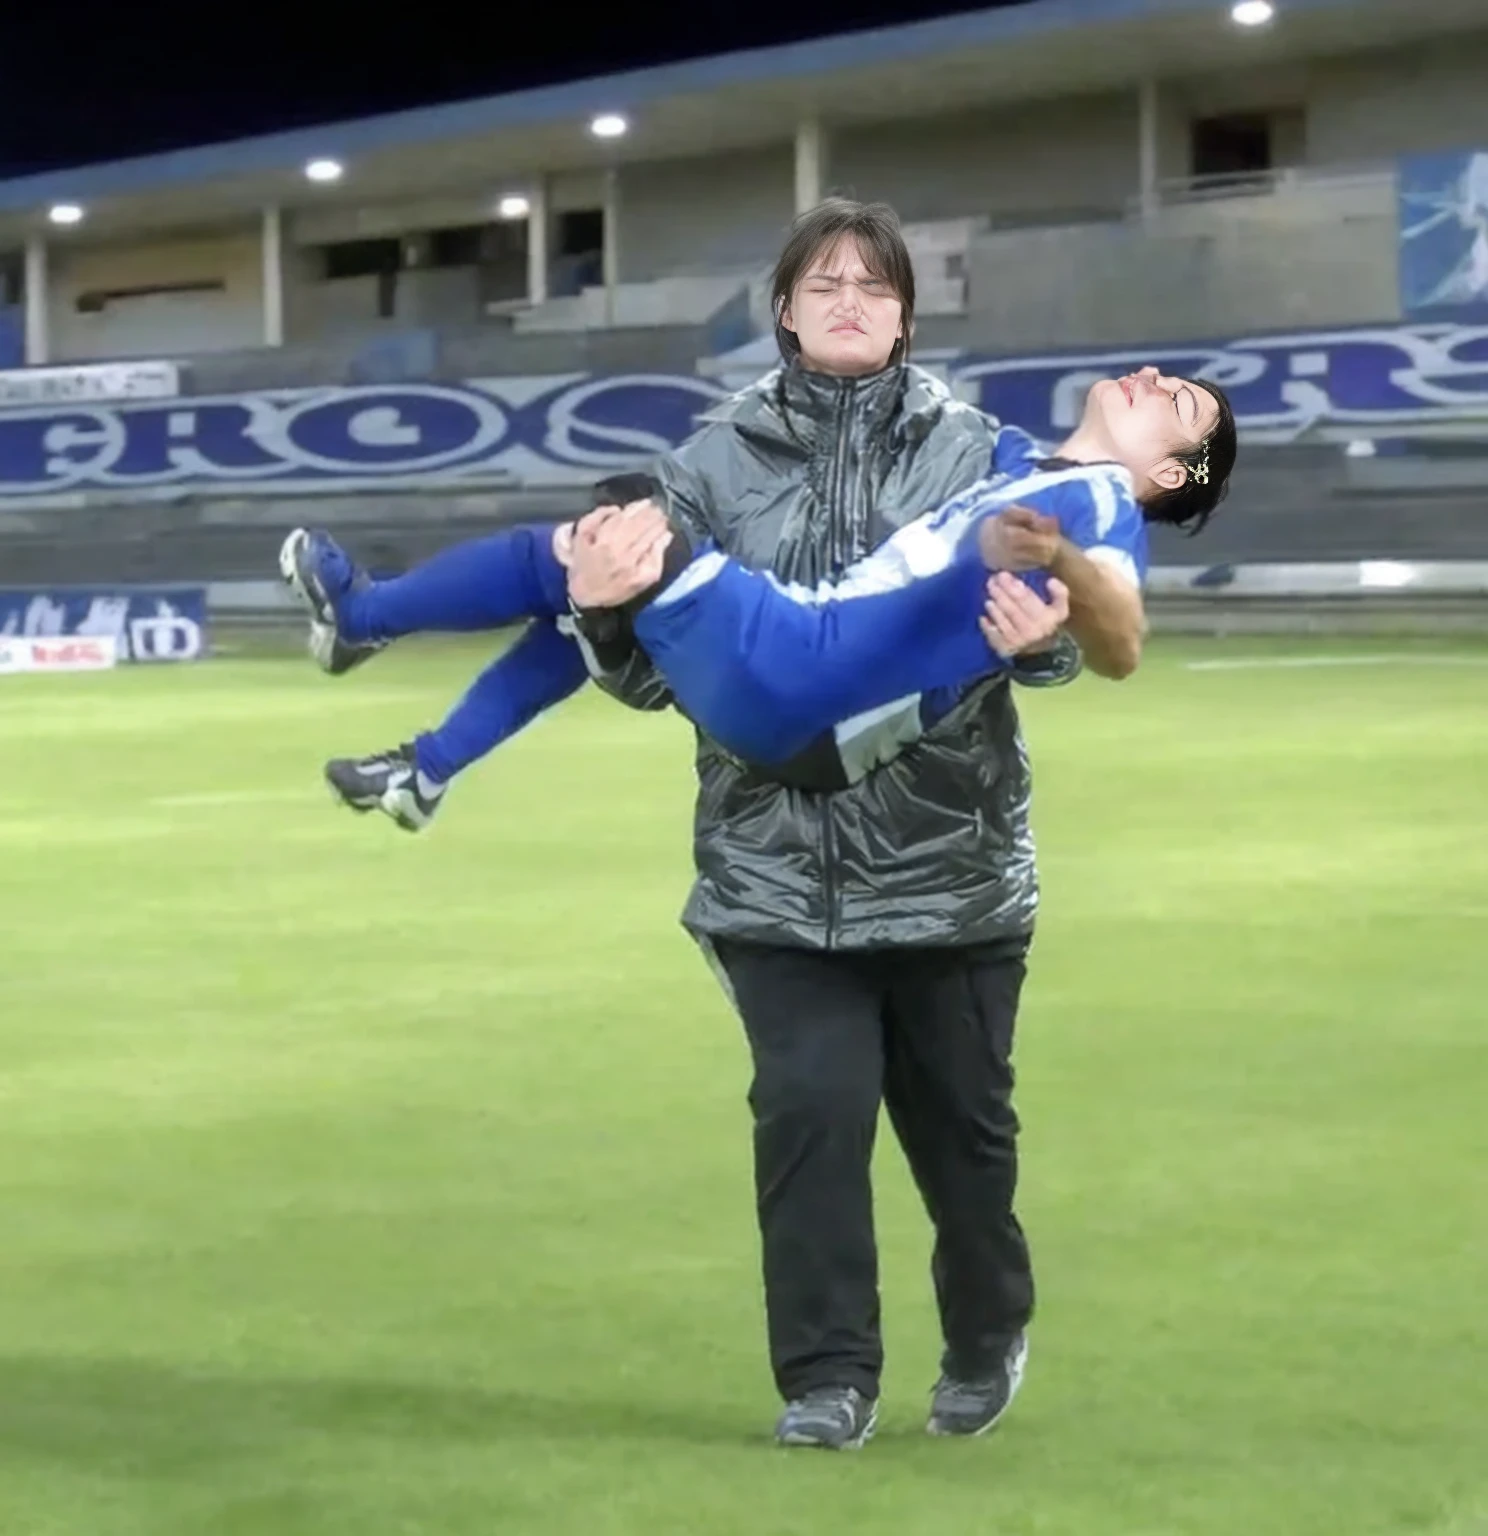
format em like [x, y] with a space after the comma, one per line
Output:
[333, 655]
[941, 1432]
[398, 819]
[857, 1443]
[307, 593]
[293, 574]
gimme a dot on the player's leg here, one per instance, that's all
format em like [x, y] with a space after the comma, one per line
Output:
[480, 584]
[813, 1026]
[949, 1090]
[408, 782]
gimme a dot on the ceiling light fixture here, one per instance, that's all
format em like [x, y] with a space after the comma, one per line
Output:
[1252, 13]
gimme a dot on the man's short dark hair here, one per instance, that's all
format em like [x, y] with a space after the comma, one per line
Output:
[1209, 465]
[875, 229]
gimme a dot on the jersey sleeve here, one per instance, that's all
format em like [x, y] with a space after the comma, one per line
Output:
[1015, 453]
[1099, 514]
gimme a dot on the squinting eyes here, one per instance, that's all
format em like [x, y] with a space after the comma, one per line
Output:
[824, 285]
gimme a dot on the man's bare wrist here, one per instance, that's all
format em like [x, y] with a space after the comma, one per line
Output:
[1065, 554]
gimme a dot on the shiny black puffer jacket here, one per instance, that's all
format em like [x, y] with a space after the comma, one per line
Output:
[802, 474]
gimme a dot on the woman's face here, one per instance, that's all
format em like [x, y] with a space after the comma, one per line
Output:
[847, 320]
[1146, 418]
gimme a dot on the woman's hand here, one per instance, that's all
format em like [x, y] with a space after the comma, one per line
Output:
[1020, 539]
[616, 553]
[1017, 621]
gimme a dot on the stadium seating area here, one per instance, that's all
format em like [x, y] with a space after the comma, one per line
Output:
[1228, 195]
[1292, 505]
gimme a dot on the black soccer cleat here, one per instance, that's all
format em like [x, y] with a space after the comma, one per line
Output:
[319, 572]
[389, 782]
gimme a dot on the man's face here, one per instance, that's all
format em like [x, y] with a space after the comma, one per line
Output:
[846, 318]
[1148, 417]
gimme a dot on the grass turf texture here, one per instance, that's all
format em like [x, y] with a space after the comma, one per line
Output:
[351, 1182]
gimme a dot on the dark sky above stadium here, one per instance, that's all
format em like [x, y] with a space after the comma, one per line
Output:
[81, 82]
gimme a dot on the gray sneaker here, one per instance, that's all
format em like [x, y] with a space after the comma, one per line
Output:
[974, 1407]
[829, 1418]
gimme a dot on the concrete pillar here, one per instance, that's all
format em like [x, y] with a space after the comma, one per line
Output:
[273, 278]
[611, 241]
[811, 166]
[537, 242]
[1147, 144]
[38, 298]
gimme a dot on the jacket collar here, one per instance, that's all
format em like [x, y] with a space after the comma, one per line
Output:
[821, 399]
[893, 399]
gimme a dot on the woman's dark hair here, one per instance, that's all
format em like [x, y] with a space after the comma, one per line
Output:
[875, 228]
[1208, 463]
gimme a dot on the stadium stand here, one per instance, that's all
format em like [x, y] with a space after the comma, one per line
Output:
[1150, 180]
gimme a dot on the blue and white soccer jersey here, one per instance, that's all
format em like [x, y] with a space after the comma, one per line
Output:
[766, 667]
[1107, 523]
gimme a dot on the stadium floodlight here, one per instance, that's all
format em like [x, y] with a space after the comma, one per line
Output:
[1252, 13]
[65, 213]
[609, 125]
[325, 170]
[514, 206]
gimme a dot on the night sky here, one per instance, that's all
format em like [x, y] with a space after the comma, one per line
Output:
[88, 82]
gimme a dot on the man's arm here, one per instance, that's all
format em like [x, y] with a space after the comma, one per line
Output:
[1107, 617]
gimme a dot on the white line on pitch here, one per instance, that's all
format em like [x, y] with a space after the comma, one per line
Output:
[1401, 659]
[233, 797]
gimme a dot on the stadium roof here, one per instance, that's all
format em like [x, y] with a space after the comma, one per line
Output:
[732, 100]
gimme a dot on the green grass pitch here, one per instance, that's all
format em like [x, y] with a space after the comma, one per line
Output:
[366, 1184]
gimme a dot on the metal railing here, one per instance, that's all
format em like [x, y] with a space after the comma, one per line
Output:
[1279, 181]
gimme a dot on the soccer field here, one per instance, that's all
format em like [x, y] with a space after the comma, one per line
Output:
[359, 1183]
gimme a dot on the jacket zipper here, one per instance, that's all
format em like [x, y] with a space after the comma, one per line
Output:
[840, 556]
[838, 524]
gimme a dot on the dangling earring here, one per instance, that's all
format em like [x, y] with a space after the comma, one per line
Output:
[1200, 471]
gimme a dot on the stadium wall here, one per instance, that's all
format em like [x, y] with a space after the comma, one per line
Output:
[142, 299]
[1042, 158]
[1432, 96]
[685, 216]
[1204, 274]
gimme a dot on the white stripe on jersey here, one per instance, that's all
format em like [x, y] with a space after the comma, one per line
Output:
[1107, 508]
[872, 738]
[1116, 560]
[928, 544]
[698, 574]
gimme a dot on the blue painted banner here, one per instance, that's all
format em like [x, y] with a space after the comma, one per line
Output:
[148, 624]
[12, 336]
[1333, 386]
[1444, 236]
[517, 430]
